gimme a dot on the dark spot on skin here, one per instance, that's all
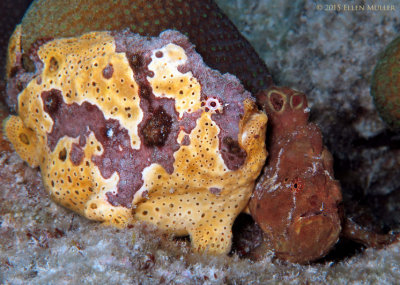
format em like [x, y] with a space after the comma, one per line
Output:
[62, 155]
[156, 129]
[276, 101]
[108, 71]
[135, 60]
[186, 140]
[232, 145]
[138, 62]
[215, 190]
[76, 154]
[233, 155]
[51, 100]
[297, 185]
[53, 65]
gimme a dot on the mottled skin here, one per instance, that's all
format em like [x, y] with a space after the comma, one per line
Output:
[217, 40]
[127, 128]
[296, 201]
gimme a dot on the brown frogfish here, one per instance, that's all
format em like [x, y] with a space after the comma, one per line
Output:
[297, 201]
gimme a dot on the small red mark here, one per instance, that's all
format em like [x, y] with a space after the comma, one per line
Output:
[145, 194]
[297, 185]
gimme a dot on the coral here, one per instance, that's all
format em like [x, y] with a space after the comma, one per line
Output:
[296, 199]
[4, 144]
[385, 85]
[119, 126]
[11, 13]
[216, 38]
[13, 52]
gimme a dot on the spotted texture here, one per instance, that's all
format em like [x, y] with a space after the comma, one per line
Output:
[119, 126]
[187, 200]
[214, 35]
[296, 199]
[24, 140]
[385, 85]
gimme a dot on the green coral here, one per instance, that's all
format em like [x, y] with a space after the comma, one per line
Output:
[385, 85]
[201, 20]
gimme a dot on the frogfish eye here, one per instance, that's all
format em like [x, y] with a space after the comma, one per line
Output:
[296, 101]
[276, 101]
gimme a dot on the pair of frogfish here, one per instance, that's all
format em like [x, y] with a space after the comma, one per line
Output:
[127, 128]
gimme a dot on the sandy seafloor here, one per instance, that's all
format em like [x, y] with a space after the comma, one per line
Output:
[327, 54]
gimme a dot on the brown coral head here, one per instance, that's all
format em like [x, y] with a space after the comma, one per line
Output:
[284, 106]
